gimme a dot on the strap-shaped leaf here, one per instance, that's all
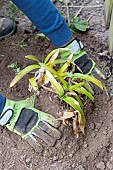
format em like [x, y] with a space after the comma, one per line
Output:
[60, 61]
[32, 57]
[79, 100]
[50, 54]
[73, 87]
[23, 73]
[55, 84]
[85, 77]
[88, 87]
[73, 93]
[53, 58]
[65, 84]
[64, 67]
[75, 104]
[85, 92]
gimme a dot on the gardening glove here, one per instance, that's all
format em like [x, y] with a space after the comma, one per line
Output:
[31, 124]
[82, 62]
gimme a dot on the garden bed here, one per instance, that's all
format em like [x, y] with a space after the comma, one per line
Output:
[91, 151]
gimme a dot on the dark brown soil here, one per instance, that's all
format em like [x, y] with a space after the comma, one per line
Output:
[92, 151]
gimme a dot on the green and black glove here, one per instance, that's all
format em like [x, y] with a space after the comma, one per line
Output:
[22, 118]
[82, 62]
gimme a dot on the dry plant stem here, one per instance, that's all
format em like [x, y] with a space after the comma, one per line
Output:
[48, 89]
[89, 17]
[95, 6]
[78, 12]
[67, 11]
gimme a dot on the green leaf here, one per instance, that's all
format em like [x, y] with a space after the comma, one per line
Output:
[81, 25]
[65, 1]
[64, 67]
[76, 85]
[55, 84]
[79, 100]
[50, 54]
[73, 93]
[60, 61]
[88, 87]
[41, 36]
[85, 77]
[15, 67]
[55, 73]
[79, 89]
[23, 73]
[32, 57]
[85, 92]
[75, 105]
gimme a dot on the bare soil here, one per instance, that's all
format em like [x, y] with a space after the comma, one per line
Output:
[92, 151]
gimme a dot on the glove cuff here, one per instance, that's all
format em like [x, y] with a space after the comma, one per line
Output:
[72, 41]
[76, 48]
[7, 113]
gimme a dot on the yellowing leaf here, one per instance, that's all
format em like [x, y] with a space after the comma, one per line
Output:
[53, 58]
[66, 115]
[23, 73]
[33, 83]
[75, 126]
[55, 84]
[32, 57]
[75, 105]
[55, 73]
[50, 54]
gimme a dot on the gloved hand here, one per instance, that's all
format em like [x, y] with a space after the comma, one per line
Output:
[82, 62]
[22, 118]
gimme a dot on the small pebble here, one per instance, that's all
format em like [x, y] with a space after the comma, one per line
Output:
[61, 157]
[97, 2]
[85, 145]
[92, 125]
[70, 155]
[109, 165]
[98, 125]
[55, 158]
[28, 160]
[80, 167]
[69, 146]
[84, 158]
[50, 161]
[73, 165]
[101, 165]
[105, 132]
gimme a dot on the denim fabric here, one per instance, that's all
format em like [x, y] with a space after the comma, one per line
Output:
[47, 19]
[2, 103]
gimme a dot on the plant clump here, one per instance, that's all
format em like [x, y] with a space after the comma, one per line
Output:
[58, 76]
